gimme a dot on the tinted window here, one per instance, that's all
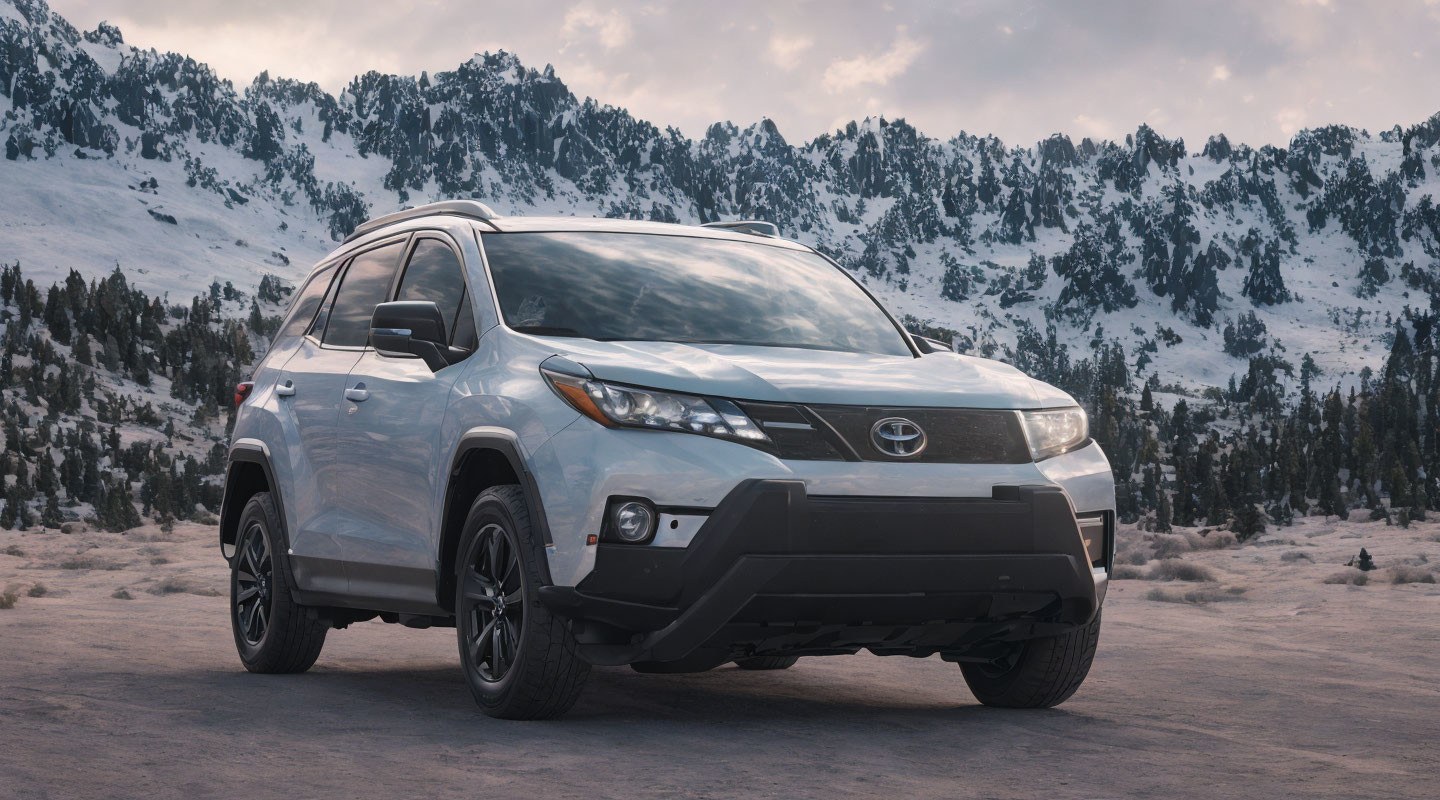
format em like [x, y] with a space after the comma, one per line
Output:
[629, 287]
[302, 309]
[434, 274]
[362, 287]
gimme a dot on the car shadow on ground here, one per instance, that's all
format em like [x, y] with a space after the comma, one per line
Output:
[438, 695]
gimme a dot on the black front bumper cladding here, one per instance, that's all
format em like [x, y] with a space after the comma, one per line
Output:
[776, 570]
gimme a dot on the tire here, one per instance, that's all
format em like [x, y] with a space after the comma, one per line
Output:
[273, 633]
[519, 660]
[766, 662]
[1043, 673]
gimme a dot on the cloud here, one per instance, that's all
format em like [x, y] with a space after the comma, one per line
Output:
[611, 27]
[785, 51]
[1289, 120]
[1095, 68]
[849, 73]
[1092, 127]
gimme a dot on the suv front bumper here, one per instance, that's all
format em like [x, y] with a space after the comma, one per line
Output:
[774, 570]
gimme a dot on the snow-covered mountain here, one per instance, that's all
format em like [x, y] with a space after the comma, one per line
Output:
[1190, 261]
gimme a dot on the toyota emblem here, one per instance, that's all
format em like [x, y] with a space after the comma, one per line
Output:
[898, 437]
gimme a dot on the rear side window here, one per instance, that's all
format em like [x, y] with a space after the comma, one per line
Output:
[362, 287]
[302, 310]
[434, 273]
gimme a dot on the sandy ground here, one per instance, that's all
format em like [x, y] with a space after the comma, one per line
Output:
[1273, 685]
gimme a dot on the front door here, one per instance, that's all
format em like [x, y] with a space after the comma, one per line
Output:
[392, 469]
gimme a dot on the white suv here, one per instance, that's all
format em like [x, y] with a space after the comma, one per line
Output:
[602, 442]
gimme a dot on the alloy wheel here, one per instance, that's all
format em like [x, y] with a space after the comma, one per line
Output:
[254, 584]
[493, 601]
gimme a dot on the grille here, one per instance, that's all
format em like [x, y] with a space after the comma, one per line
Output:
[842, 433]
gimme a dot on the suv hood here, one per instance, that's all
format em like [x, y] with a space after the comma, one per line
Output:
[793, 375]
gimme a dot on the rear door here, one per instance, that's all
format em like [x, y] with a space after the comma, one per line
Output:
[312, 385]
[390, 469]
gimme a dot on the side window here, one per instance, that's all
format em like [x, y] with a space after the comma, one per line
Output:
[302, 309]
[362, 287]
[317, 328]
[435, 274]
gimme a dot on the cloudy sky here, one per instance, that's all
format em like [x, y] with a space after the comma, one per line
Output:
[1021, 70]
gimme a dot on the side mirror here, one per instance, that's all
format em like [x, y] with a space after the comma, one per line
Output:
[928, 345]
[410, 329]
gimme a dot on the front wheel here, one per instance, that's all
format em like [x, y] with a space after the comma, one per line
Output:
[519, 660]
[273, 633]
[1040, 673]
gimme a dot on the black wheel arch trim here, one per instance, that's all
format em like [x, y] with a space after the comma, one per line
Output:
[507, 444]
[248, 452]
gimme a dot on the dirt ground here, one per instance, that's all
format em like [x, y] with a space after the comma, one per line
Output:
[1265, 682]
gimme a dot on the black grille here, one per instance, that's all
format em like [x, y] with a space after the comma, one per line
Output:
[798, 435]
[842, 433]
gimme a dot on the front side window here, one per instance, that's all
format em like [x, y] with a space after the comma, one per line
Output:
[645, 287]
[362, 287]
[434, 273]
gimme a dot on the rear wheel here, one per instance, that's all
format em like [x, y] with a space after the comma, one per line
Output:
[519, 660]
[766, 662]
[1040, 673]
[273, 633]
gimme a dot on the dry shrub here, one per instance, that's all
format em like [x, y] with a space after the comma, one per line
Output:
[1214, 540]
[1127, 572]
[1168, 545]
[1410, 575]
[1135, 558]
[1198, 595]
[175, 585]
[1296, 555]
[86, 561]
[156, 561]
[38, 590]
[169, 585]
[1350, 576]
[1173, 569]
[7, 600]
[121, 594]
[14, 550]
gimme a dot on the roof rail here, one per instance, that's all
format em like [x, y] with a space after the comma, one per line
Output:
[473, 209]
[756, 227]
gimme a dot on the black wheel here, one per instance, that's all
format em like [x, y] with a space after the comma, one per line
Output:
[519, 660]
[272, 632]
[1040, 673]
[767, 662]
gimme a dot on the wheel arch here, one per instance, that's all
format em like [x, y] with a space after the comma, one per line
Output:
[248, 473]
[484, 457]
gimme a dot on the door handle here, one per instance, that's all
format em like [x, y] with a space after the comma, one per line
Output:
[357, 393]
[286, 389]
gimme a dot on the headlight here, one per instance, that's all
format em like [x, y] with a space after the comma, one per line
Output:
[1055, 431]
[625, 406]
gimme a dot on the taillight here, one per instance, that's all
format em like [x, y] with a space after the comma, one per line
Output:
[242, 391]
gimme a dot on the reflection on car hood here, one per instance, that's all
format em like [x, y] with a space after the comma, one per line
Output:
[782, 374]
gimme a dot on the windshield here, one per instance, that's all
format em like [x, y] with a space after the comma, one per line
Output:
[639, 287]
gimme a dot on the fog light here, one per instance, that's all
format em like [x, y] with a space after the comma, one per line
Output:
[632, 521]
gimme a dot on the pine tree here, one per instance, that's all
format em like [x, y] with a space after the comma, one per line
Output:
[1264, 285]
[81, 350]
